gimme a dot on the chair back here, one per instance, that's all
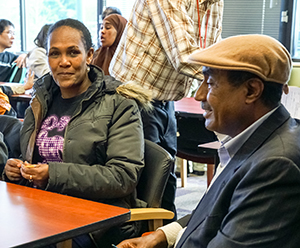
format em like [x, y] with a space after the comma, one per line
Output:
[153, 180]
[10, 127]
[191, 131]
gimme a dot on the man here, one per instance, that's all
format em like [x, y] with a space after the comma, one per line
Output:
[153, 51]
[254, 198]
[7, 36]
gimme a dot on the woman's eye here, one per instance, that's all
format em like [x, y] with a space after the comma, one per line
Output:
[53, 54]
[74, 53]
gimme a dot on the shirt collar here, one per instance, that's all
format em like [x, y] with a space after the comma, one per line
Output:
[230, 146]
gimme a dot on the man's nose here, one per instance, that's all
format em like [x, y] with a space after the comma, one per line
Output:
[201, 92]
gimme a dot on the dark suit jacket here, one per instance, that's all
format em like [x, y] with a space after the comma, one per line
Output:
[255, 202]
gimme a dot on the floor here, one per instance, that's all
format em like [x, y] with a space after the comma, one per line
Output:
[188, 197]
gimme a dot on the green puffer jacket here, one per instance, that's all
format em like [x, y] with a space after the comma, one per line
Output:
[103, 143]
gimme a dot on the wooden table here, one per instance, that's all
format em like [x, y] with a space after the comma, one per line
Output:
[190, 109]
[35, 218]
[21, 98]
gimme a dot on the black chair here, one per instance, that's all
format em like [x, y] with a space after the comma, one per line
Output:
[10, 128]
[191, 132]
[158, 165]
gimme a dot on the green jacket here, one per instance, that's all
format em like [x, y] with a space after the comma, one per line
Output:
[103, 153]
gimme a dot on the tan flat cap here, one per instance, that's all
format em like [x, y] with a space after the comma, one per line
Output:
[260, 54]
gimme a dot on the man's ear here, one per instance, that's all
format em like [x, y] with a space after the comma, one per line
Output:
[255, 88]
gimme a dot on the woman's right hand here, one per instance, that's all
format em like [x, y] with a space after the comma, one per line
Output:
[12, 169]
[156, 239]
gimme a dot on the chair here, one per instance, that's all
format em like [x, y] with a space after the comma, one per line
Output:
[158, 165]
[10, 128]
[191, 132]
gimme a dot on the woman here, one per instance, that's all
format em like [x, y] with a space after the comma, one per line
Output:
[80, 137]
[111, 32]
[37, 57]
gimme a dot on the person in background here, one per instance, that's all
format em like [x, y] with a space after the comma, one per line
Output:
[7, 36]
[37, 57]
[110, 10]
[82, 134]
[111, 32]
[153, 51]
[254, 197]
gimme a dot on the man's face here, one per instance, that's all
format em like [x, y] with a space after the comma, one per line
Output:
[224, 104]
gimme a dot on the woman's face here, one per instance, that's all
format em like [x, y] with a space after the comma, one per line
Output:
[108, 34]
[68, 61]
[7, 37]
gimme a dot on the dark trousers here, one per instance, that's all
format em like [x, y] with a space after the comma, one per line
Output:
[160, 127]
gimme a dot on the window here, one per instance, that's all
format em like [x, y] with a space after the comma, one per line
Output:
[38, 13]
[124, 6]
[251, 17]
[295, 41]
[277, 18]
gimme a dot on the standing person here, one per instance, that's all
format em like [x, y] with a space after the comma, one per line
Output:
[254, 198]
[153, 51]
[37, 58]
[81, 136]
[111, 32]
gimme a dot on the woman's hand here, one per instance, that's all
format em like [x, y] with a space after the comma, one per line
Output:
[156, 239]
[21, 60]
[36, 173]
[12, 169]
[29, 80]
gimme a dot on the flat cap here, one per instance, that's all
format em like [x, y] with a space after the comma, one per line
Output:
[260, 54]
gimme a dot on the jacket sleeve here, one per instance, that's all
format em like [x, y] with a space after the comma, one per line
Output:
[264, 209]
[37, 62]
[117, 177]
[3, 153]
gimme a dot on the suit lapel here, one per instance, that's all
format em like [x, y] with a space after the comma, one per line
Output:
[255, 141]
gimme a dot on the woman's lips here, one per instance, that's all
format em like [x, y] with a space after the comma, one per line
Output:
[65, 74]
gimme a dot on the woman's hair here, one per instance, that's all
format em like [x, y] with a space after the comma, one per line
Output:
[41, 38]
[4, 23]
[72, 23]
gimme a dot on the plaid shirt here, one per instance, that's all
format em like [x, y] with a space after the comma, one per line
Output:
[157, 41]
